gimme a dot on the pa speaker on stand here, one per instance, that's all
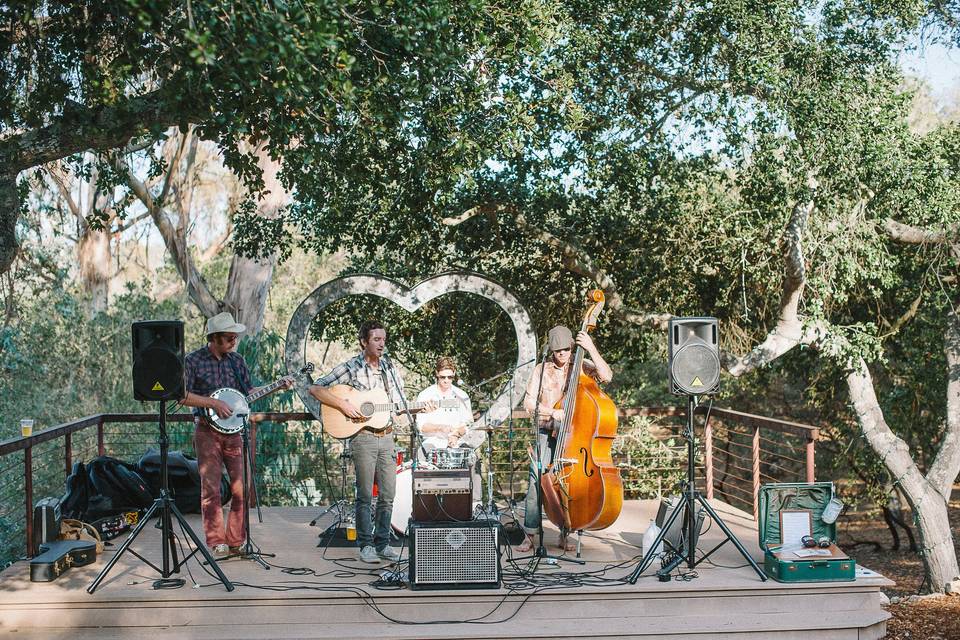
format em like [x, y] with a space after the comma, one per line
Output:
[158, 360]
[693, 356]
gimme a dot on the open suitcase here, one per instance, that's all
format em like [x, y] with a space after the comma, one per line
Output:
[790, 563]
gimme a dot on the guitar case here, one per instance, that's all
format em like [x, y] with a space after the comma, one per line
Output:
[57, 557]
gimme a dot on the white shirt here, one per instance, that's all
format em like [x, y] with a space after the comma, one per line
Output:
[462, 414]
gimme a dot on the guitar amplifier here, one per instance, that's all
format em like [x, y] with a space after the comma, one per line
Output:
[442, 495]
[454, 556]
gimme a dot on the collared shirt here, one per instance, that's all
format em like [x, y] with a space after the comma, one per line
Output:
[554, 385]
[203, 373]
[358, 373]
[462, 414]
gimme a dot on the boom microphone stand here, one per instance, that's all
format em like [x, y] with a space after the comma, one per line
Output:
[690, 499]
[166, 506]
[247, 551]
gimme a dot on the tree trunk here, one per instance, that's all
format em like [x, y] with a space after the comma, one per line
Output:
[93, 254]
[247, 288]
[250, 279]
[928, 503]
[9, 212]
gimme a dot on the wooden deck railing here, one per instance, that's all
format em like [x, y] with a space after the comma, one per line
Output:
[724, 473]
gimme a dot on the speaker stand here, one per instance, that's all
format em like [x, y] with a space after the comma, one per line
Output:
[164, 506]
[691, 498]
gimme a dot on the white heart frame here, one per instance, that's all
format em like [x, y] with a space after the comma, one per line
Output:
[411, 299]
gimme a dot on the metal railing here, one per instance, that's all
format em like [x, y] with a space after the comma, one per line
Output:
[738, 452]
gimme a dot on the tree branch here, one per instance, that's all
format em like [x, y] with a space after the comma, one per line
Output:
[946, 465]
[789, 330]
[197, 287]
[908, 234]
[573, 257]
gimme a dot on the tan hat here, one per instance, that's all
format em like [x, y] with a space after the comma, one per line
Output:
[224, 323]
[560, 338]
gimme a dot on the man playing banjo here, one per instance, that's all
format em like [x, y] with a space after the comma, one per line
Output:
[215, 366]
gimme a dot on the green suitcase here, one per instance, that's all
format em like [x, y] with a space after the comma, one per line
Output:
[815, 496]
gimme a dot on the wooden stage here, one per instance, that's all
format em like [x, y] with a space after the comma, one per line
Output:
[330, 595]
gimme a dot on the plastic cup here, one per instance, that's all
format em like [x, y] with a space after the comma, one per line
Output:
[26, 427]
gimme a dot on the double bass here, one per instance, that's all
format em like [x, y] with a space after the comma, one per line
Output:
[582, 488]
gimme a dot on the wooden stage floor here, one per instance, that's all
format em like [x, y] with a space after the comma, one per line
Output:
[313, 592]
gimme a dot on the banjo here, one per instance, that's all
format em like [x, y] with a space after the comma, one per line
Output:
[240, 404]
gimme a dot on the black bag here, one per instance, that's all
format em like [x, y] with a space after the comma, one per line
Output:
[183, 477]
[115, 487]
[73, 504]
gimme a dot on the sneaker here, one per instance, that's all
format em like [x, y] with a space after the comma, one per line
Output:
[221, 550]
[369, 554]
[389, 553]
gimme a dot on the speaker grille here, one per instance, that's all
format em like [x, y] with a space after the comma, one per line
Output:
[455, 555]
[695, 369]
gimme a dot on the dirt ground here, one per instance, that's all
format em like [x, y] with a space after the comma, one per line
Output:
[923, 619]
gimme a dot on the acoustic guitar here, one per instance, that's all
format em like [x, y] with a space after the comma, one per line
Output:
[375, 406]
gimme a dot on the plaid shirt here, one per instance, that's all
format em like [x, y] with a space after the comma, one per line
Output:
[204, 374]
[358, 373]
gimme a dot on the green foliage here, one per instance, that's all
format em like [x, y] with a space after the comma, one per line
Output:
[58, 365]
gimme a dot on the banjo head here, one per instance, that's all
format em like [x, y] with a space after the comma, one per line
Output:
[237, 402]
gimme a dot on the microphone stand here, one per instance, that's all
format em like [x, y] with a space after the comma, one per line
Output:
[248, 551]
[406, 409]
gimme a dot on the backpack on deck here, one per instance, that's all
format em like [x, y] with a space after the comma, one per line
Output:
[183, 478]
[115, 487]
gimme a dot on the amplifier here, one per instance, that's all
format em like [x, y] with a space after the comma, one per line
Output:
[442, 495]
[454, 556]
[442, 481]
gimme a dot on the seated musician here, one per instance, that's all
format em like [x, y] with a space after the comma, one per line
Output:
[444, 427]
[555, 372]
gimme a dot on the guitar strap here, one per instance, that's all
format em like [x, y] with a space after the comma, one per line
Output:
[236, 374]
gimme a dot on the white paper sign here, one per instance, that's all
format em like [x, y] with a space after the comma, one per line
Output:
[793, 526]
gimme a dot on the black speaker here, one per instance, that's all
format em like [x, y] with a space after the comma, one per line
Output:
[158, 360]
[693, 356]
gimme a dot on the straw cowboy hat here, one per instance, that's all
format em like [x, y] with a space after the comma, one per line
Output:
[224, 323]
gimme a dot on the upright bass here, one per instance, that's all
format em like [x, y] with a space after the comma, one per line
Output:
[582, 489]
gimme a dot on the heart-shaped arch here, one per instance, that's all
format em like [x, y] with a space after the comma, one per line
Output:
[412, 299]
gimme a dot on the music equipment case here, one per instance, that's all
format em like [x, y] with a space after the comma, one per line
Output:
[454, 555]
[785, 567]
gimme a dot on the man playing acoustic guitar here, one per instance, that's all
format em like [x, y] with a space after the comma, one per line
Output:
[374, 456]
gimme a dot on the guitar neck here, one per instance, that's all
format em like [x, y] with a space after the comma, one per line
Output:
[412, 406]
[264, 391]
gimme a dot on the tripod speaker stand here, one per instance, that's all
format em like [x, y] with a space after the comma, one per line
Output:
[165, 507]
[690, 499]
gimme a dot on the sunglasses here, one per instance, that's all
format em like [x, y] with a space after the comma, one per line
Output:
[561, 350]
[445, 377]
[233, 338]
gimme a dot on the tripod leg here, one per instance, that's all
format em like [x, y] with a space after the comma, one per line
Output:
[202, 547]
[736, 542]
[123, 547]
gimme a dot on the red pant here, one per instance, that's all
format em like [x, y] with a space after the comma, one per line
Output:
[214, 451]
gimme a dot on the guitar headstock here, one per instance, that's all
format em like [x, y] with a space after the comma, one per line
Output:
[595, 302]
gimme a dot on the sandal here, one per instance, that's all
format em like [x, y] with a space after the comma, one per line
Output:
[526, 545]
